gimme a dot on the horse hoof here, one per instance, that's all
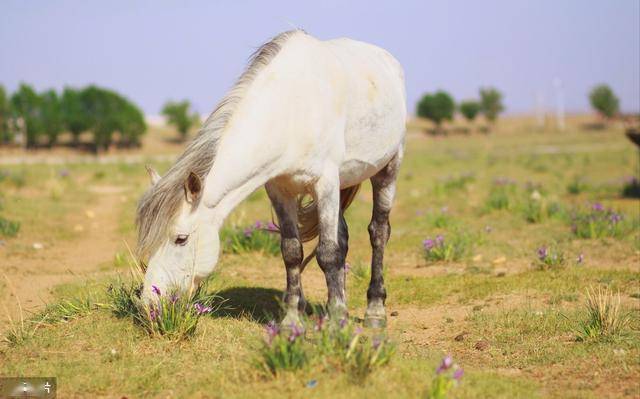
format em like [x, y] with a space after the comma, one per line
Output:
[375, 322]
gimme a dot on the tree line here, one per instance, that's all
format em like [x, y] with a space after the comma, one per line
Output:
[35, 119]
[440, 106]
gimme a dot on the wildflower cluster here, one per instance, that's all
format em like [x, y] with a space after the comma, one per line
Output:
[440, 249]
[550, 257]
[448, 375]
[333, 344]
[261, 236]
[171, 315]
[598, 222]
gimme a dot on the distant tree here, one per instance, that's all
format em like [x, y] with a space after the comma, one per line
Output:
[25, 103]
[74, 116]
[180, 116]
[491, 103]
[51, 116]
[469, 109]
[6, 135]
[108, 112]
[436, 107]
[604, 101]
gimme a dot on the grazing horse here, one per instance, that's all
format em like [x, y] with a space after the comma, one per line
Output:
[308, 118]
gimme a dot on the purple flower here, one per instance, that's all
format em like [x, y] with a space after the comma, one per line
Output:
[258, 224]
[444, 209]
[272, 330]
[347, 267]
[247, 232]
[598, 207]
[201, 309]
[174, 298]
[580, 258]
[615, 218]
[343, 322]
[155, 290]
[153, 314]
[428, 244]
[542, 253]
[272, 227]
[296, 331]
[446, 364]
[358, 331]
[64, 173]
[376, 342]
[439, 239]
[457, 375]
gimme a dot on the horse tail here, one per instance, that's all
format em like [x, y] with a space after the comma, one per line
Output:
[308, 224]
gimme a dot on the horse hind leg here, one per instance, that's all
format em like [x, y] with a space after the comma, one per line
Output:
[384, 188]
[292, 253]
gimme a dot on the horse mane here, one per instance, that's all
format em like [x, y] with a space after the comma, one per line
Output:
[159, 205]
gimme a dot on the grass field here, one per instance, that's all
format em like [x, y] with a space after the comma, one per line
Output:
[518, 211]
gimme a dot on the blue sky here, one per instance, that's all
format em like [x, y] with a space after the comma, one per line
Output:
[152, 51]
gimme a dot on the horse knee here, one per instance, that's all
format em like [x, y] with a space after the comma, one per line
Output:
[328, 256]
[291, 251]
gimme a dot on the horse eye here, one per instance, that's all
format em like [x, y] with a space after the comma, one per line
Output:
[181, 239]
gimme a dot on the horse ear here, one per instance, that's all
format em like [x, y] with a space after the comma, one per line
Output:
[153, 175]
[192, 188]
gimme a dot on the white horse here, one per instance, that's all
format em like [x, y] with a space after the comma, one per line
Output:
[307, 117]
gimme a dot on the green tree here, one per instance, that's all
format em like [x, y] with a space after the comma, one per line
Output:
[469, 109]
[604, 101]
[491, 103]
[26, 105]
[436, 107]
[51, 115]
[180, 116]
[6, 135]
[74, 116]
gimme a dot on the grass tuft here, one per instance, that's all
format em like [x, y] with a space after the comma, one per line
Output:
[261, 237]
[604, 317]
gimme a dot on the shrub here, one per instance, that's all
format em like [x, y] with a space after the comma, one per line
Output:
[441, 249]
[604, 101]
[469, 109]
[180, 116]
[9, 228]
[604, 317]
[436, 107]
[261, 237]
[598, 222]
[491, 103]
[447, 376]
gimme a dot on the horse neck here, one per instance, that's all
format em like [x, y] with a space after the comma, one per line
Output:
[242, 165]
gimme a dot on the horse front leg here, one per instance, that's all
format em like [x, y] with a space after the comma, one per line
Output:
[292, 253]
[333, 243]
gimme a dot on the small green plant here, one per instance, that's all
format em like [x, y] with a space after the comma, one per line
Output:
[577, 185]
[451, 249]
[599, 222]
[604, 317]
[550, 258]
[440, 219]
[68, 309]
[533, 208]
[448, 376]
[283, 350]
[9, 228]
[261, 237]
[500, 195]
[366, 355]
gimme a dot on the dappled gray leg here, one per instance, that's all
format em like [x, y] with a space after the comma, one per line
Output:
[292, 254]
[332, 246]
[384, 187]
